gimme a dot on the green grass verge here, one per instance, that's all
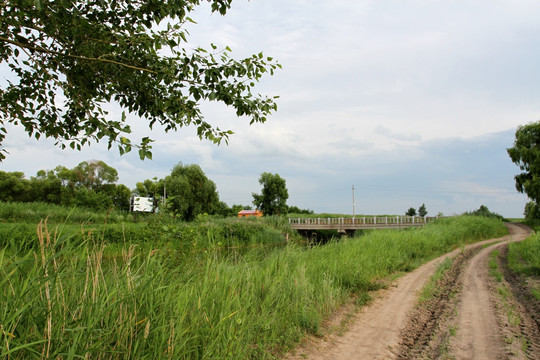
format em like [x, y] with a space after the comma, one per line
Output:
[188, 237]
[507, 304]
[524, 256]
[431, 290]
[70, 298]
[15, 212]
[493, 266]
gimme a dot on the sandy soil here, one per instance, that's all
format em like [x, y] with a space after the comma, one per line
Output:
[462, 322]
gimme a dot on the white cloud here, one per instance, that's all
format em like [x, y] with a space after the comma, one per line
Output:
[389, 93]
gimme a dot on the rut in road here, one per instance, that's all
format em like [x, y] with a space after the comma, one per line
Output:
[429, 316]
[465, 325]
[478, 335]
[388, 328]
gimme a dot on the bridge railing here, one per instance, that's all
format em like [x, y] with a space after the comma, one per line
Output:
[364, 220]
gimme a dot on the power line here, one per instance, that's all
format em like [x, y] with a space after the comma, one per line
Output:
[426, 190]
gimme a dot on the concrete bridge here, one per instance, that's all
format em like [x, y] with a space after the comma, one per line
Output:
[350, 225]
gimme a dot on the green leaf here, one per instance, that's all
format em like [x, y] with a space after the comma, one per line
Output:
[102, 52]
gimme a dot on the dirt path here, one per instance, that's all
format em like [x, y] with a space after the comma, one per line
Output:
[453, 327]
[477, 335]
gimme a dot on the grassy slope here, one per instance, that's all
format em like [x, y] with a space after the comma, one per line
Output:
[14, 212]
[524, 258]
[73, 298]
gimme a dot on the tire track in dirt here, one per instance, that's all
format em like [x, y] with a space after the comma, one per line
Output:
[425, 336]
[377, 331]
[477, 330]
[469, 324]
[478, 336]
[523, 304]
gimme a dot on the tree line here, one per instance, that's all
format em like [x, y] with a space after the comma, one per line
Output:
[90, 184]
[422, 211]
[185, 193]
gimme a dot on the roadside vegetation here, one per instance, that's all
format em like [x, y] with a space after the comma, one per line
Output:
[211, 288]
[432, 288]
[485, 212]
[512, 310]
[524, 259]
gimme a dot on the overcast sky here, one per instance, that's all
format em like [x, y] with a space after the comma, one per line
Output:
[410, 101]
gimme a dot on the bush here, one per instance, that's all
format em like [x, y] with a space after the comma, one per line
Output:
[484, 211]
[531, 212]
[34, 212]
[524, 256]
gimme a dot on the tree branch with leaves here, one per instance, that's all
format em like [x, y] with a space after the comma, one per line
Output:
[68, 58]
[525, 153]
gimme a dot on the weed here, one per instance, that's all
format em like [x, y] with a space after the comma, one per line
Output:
[494, 266]
[75, 294]
[431, 289]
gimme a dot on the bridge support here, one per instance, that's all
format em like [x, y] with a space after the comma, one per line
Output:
[349, 232]
[310, 235]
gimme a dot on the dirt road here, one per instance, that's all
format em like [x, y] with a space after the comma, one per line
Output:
[462, 322]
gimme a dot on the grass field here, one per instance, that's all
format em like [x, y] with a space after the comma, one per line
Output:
[524, 258]
[81, 296]
[15, 212]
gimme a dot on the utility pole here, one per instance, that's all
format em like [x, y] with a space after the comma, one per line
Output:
[353, 204]
[164, 192]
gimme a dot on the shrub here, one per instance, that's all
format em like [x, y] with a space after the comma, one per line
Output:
[484, 211]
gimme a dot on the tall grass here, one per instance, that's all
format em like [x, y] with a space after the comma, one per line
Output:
[190, 237]
[71, 299]
[16, 212]
[524, 256]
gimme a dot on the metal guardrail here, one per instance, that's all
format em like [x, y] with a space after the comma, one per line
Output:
[354, 223]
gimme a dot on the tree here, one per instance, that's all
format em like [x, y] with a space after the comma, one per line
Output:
[85, 197]
[66, 176]
[46, 187]
[411, 212]
[14, 187]
[69, 57]
[226, 211]
[273, 199]
[422, 210]
[296, 210]
[94, 174]
[122, 196]
[531, 211]
[526, 154]
[150, 188]
[190, 192]
[90, 184]
[484, 212]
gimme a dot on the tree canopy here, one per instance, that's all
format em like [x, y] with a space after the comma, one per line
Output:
[150, 187]
[91, 184]
[69, 57]
[274, 195]
[526, 154]
[94, 174]
[411, 212]
[485, 212]
[422, 211]
[190, 192]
